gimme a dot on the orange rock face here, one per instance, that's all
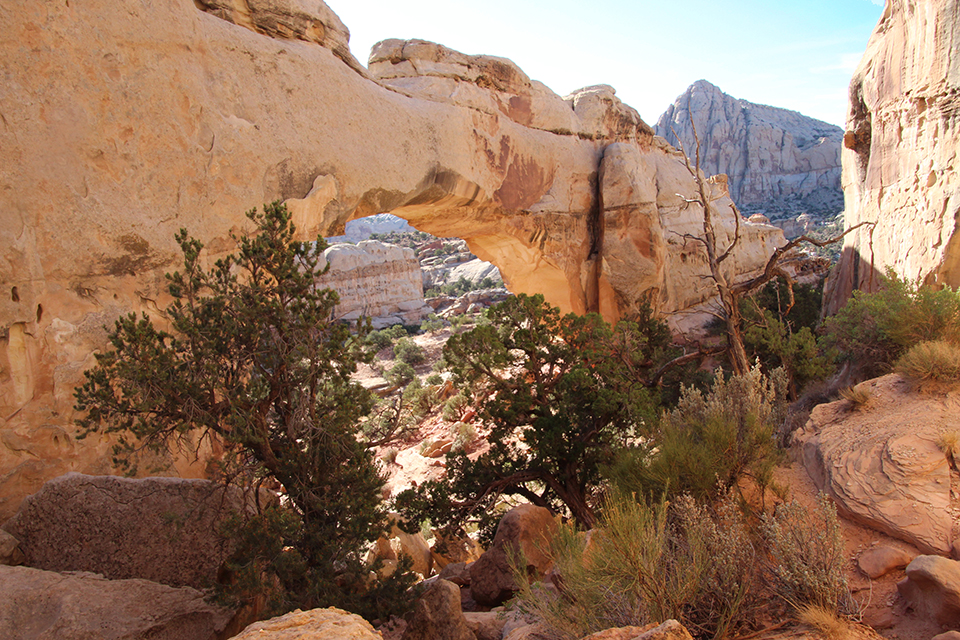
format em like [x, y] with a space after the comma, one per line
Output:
[123, 121]
[899, 156]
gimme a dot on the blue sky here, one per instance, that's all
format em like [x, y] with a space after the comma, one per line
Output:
[797, 54]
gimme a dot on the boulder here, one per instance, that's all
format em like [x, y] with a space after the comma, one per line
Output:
[438, 615]
[772, 157]
[669, 630]
[947, 635]
[882, 560]
[523, 533]
[448, 550]
[899, 169]
[932, 588]
[619, 633]
[487, 625]
[43, 605]
[456, 572]
[881, 465]
[316, 624]
[397, 542]
[159, 529]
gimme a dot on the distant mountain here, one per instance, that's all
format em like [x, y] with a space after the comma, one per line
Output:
[777, 161]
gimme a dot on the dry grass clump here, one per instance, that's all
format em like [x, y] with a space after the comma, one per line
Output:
[937, 360]
[949, 443]
[858, 397]
[826, 622]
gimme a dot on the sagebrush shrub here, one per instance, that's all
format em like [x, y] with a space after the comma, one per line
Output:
[710, 440]
[647, 563]
[808, 555]
[406, 350]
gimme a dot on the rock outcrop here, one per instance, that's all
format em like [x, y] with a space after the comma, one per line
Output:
[900, 166]
[160, 529]
[330, 623]
[44, 605]
[881, 464]
[438, 615]
[772, 157]
[124, 121]
[376, 280]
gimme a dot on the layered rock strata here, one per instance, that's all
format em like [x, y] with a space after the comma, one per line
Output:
[376, 280]
[900, 152]
[124, 121]
[771, 156]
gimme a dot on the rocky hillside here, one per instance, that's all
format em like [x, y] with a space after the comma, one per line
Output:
[777, 161]
[900, 148]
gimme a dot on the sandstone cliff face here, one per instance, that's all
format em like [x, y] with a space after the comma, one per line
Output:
[123, 121]
[376, 280]
[900, 151]
[770, 155]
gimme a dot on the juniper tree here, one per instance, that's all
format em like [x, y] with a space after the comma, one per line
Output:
[249, 354]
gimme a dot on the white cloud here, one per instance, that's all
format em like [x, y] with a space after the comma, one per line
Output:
[879, 3]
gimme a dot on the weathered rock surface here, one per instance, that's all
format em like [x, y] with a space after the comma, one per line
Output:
[315, 624]
[43, 605]
[932, 587]
[438, 615]
[524, 531]
[882, 560]
[770, 155]
[10, 553]
[124, 121]
[397, 542]
[881, 465]
[376, 280]
[159, 529]
[900, 150]
[669, 630]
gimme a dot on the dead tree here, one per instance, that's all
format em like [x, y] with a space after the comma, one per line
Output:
[730, 293]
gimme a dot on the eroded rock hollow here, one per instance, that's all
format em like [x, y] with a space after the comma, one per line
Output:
[123, 121]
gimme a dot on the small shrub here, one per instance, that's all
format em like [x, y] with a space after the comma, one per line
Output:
[379, 340]
[421, 400]
[808, 556]
[400, 374]
[463, 434]
[435, 379]
[949, 443]
[455, 406]
[432, 323]
[406, 350]
[858, 397]
[930, 361]
[389, 455]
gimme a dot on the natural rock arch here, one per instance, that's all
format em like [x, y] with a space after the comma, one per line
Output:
[124, 121]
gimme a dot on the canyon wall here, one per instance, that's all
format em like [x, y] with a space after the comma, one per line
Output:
[900, 152]
[773, 157]
[122, 121]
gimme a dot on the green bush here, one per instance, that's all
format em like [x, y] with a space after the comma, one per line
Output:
[710, 440]
[384, 338]
[874, 329]
[647, 563]
[938, 360]
[408, 351]
[454, 407]
[400, 374]
[808, 556]
[432, 323]
[435, 379]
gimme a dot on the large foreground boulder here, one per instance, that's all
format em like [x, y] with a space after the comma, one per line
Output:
[439, 616]
[160, 529]
[43, 605]
[524, 532]
[315, 624]
[881, 464]
[932, 588]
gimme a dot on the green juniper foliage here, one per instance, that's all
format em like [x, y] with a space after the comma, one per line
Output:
[253, 359]
[561, 393]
